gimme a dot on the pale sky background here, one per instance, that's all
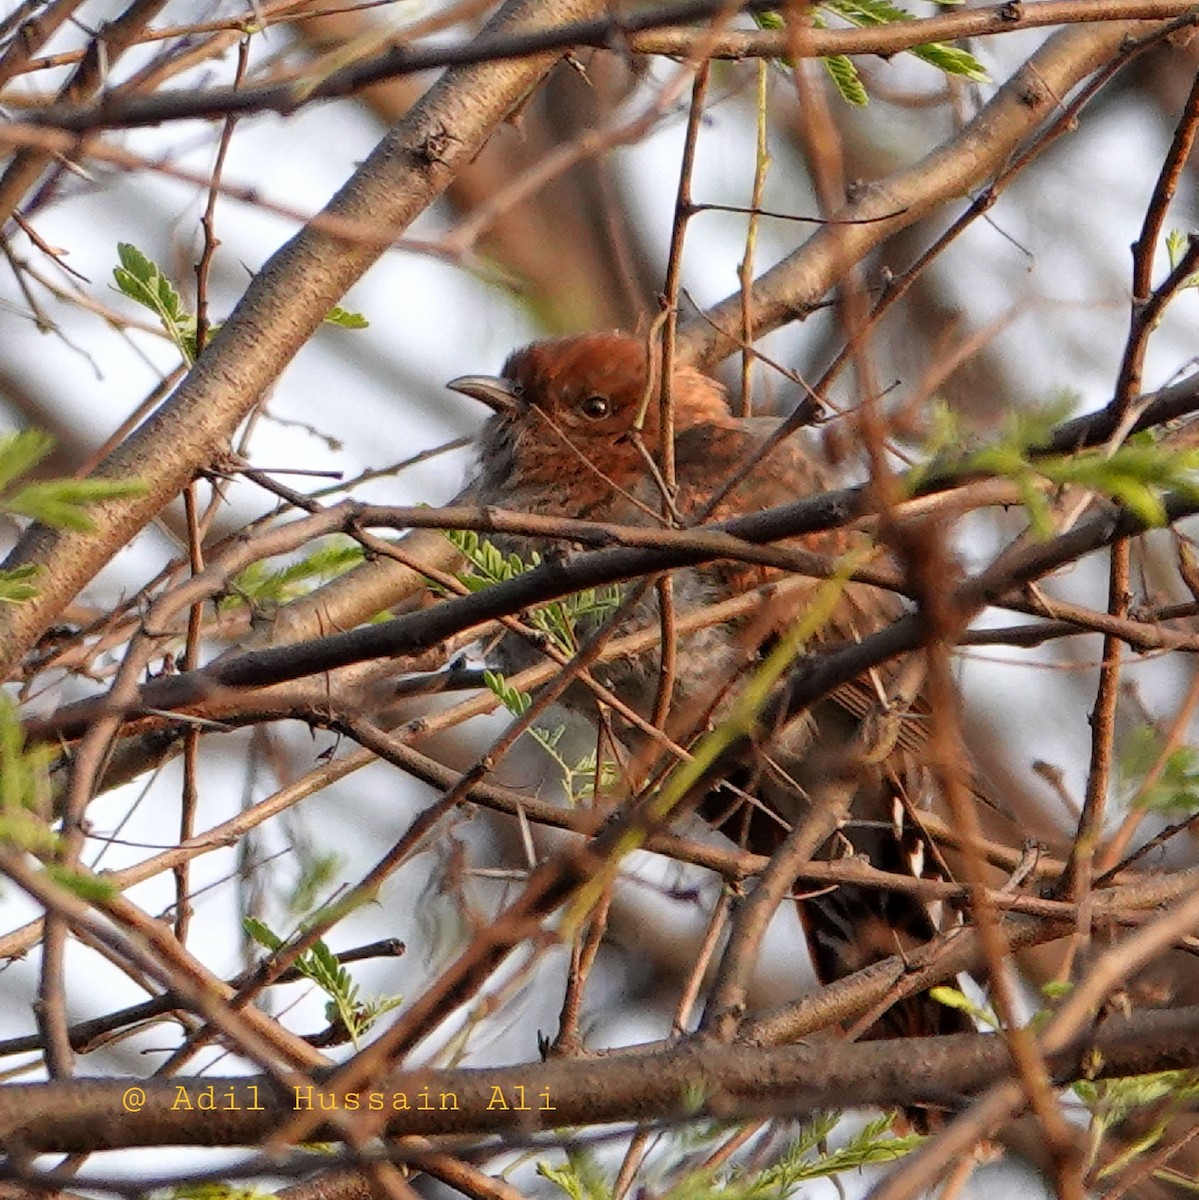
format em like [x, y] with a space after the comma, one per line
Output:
[1063, 268]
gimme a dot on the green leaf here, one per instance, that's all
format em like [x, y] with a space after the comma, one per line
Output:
[262, 933]
[953, 60]
[1174, 790]
[580, 1178]
[870, 12]
[271, 586]
[141, 279]
[20, 452]
[58, 502]
[322, 967]
[63, 503]
[514, 700]
[82, 884]
[1177, 244]
[24, 784]
[215, 1190]
[345, 319]
[316, 876]
[846, 79]
[950, 59]
[1114, 1099]
[1138, 474]
[15, 585]
[951, 997]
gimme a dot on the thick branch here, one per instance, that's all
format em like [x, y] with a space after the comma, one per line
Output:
[655, 31]
[697, 1080]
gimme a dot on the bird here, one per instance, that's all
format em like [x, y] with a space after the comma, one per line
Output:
[575, 431]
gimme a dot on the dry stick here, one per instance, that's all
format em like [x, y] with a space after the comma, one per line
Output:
[928, 565]
[266, 14]
[665, 377]
[195, 549]
[725, 1009]
[86, 1035]
[90, 76]
[86, 768]
[683, 211]
[1154, 843]
[1140, 635]
[745, 268]
[630, 1164]
[150, 947]
[737, 44]
[294, 661]
[344, 228]
[461, 1175]
[50, 1008]
[218, 838]
[928, 561]
[190, 797]
[32, 34]
[584, 948]
[1147, 306]
[982, 149]
[208, 220]
[1078, 1010]
[1149, 1165]
[716, 927]
[1065, 1148]
[733, 864]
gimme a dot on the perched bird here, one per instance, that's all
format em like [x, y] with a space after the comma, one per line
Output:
[575, 432]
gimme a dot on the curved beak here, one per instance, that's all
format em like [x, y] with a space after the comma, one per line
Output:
[498, 394]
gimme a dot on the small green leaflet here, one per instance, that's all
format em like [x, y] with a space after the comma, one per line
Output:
[952, 60]
[139, 278]
[846, 79]
[142, 280]
[61, 503]
[346, 319]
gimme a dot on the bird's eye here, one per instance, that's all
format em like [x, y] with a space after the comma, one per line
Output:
[596, 407]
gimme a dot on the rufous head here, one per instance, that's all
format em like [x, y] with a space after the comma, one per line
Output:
[585, 394]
